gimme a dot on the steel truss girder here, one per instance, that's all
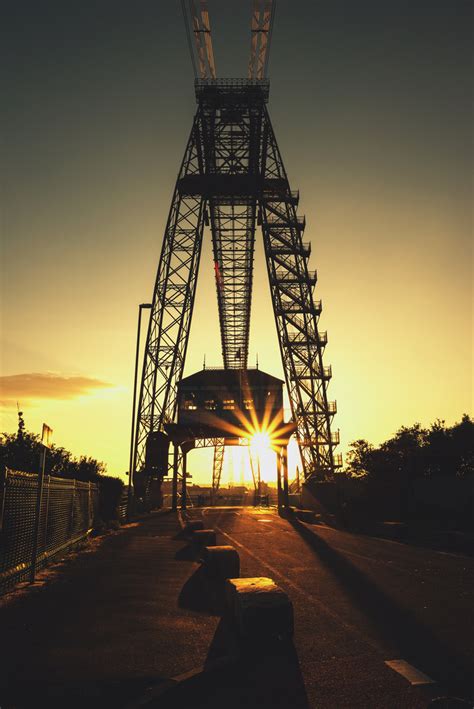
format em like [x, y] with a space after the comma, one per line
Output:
[232, 171]
[231, 146]
[172, 307]
[296, 317]
[233, 239]
[218, 462]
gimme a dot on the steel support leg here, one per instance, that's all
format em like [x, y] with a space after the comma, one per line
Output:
[279, 481]
[284, 465]
[174, 493]
[218, 462]
[173, 302]
[296, 315]
[184, 482]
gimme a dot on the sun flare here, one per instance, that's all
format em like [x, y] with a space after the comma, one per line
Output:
[261, 442]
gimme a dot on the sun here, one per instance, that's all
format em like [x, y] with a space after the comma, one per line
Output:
[261, 442]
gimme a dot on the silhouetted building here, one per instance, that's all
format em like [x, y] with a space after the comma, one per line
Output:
[222, 399]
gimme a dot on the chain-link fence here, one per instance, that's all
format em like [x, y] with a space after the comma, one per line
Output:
[67, 512]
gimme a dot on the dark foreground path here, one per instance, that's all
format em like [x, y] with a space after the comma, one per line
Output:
[107, 627]
[116, 623]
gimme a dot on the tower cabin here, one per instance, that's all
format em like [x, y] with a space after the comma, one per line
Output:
[229, 402]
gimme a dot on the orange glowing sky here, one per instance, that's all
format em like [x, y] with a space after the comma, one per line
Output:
[371, 109]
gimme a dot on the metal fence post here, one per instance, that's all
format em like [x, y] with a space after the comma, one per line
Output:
[89, 505]
[46, 512]
[3, 492]
[39, 494]
[72, 506]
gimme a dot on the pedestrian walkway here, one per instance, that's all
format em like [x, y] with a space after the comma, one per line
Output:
[110, 625]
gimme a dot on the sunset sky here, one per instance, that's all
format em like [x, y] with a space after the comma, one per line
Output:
[371, 106]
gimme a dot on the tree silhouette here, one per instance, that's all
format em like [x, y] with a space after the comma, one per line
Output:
[415, 452]
[22, 451]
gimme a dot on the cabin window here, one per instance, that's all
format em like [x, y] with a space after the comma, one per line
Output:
[248, 404]
[210, 404]
[228, 404]
[189, 403]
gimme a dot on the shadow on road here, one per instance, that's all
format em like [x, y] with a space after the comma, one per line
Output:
[201, 595]
[186, 553]
[263, 673]
[395, 625]
[257, 676]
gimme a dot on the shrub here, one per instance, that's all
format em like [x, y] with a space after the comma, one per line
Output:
[110, 492]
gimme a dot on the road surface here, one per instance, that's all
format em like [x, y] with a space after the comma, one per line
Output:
[360, 602]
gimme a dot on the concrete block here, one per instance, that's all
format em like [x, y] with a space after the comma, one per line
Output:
[221, 562]
[203, 538]
[259, 608]
[193, 525]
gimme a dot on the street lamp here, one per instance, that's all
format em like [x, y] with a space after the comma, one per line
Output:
[131, 471]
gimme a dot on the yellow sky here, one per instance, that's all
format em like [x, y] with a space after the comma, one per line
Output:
[397, 314]
[378, 142]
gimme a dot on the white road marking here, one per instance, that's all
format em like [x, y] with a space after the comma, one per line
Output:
[414, 676]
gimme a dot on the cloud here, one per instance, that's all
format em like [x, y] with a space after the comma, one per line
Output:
[37, 385]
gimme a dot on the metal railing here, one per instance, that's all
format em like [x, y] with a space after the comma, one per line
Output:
[290, 277]
[304, 372]
[219, 88]
[304, 249]
[67, 512]
[122, 507]
[290, 308]
[281, 195]
[276, 221]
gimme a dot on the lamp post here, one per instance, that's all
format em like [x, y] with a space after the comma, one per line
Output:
[131, 467]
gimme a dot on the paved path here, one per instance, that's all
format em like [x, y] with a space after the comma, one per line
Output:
[120, 620]
[109, 625]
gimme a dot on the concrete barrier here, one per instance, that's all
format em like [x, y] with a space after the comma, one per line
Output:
[221, 562]
[192, 526]
[203, 538]
[259, 608]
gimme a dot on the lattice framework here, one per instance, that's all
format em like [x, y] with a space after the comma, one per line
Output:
[232, 171]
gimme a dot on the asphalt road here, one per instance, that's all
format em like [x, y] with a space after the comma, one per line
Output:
[115, 625]
[360, 602]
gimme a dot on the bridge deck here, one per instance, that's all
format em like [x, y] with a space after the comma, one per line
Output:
[123, 618]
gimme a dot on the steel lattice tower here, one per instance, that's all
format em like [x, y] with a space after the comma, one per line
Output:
[232, 178]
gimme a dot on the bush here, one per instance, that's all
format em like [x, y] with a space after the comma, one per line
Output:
[110, 492]
[23, 450]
